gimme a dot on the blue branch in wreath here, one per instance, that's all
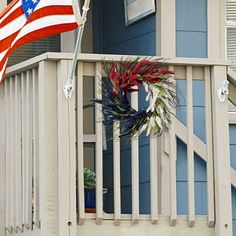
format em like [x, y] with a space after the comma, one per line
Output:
[125, 77]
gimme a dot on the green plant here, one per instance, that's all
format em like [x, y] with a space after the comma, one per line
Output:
[89, 179]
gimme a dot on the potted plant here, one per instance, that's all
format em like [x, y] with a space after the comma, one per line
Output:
[89, 190]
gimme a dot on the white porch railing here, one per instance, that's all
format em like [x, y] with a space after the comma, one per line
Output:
[42, 137]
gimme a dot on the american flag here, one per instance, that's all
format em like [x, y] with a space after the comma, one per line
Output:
[23, 21]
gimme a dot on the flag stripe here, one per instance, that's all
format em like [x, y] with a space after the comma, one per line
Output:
[12, 27]
[19, 26]
[45, 32]
[18, 12]
[11, 7]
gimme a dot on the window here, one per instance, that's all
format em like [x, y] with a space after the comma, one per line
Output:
[231, 31]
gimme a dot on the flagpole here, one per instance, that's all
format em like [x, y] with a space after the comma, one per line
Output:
[70, 85]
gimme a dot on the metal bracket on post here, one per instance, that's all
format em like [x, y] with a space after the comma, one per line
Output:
[69, 86]
[223, 91]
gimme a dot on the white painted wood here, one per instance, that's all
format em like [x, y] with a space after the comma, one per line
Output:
[173, 158]
[116, 171]
[2, 160]
[216, 29]
[222, 169]
[163, 154]
[29, 127]
[145, 228]
[31, 63]
[135, 166]
[36, 218]
[198, 146]
[154, 179]
[23, 145]
[48, 155]
[99, 151]
[66, 155]
[80, 144]
[190, 153]
[12, 219]
[209, 148]
[7, 194]
[166, 32]
[18, 169]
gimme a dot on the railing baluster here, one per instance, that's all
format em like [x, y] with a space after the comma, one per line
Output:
[209, 146]
[116, 170]
[99, 151]
[154, 179]
[35, 192]
[8, 147]
[11, 156]
[190, 153]
[23, 143]
[172, 159]
[135, 167]
[66, 154]
[18, 210]
[80, 144]
[14, 166]
[28, 150]
[2, 160]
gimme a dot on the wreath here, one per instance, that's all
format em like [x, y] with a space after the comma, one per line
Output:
[126, 77]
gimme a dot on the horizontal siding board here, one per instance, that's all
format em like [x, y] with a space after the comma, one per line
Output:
[198, 93]
[191, 44]
[233, 155]
[114, 25]
[142, 45]
[191, 15]
[232, 134]
[199, 125]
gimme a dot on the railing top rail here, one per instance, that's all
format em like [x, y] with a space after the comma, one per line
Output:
[109, 57]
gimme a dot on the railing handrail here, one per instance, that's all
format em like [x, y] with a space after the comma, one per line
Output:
[53, 56]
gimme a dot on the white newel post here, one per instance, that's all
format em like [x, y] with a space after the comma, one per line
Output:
[48, 161]
[221, 156]
[2, 161]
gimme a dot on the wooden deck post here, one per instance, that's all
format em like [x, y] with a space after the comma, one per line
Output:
[221, 156]
[48, 161]
[2, 162]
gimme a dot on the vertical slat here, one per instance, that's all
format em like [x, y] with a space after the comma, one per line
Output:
[11, 157]
[66, 155]
[222, 168]
[172, 159]
[135, 167]
[48, 149]
[35, 149]
[99, 151]
[72, 160]
[18, 210]
[116, 171]
[2, 160]
[28, 150]
[23, 143]
[8, 148]
[190, 153]
[80, 143]
[154, 179]
[210, 177]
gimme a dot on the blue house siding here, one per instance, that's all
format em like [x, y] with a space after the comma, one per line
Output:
[191, 41]
[112, 36]
[191, 28]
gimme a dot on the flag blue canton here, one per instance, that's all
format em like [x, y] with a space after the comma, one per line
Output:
[29, 6]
